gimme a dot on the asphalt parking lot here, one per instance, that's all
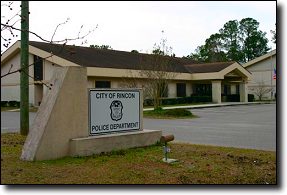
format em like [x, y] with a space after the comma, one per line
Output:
[244, 126]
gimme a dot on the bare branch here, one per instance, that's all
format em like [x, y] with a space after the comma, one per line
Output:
[49, 87]
[20, 69]
[45, 40]
[58, 27]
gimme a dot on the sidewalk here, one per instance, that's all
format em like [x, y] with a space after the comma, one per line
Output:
[211, 105]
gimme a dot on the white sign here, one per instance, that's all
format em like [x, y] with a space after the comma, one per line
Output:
[113, 110]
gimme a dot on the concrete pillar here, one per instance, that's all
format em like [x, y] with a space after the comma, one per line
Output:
[188, 89]
[233, 89]
[171, 89]
[62, 116]
[243, 92]
[114, 84]
[216, 91]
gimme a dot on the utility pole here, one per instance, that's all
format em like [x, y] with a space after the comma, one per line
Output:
[24, 79]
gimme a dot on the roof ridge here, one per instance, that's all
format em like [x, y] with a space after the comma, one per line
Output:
[113, 50]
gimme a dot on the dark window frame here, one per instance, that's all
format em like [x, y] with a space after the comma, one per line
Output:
[180, 89]
[102, 84]
[38, 68]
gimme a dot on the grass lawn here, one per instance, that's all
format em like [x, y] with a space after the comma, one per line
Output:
[197, 165]
[31, 109]
[178, 113]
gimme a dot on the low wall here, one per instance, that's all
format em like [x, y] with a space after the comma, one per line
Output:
[107, 143]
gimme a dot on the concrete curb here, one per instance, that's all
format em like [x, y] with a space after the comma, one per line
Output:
[212, 105]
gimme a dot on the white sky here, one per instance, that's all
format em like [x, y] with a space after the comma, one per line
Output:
[138, 25]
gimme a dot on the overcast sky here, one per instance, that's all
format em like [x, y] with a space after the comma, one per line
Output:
[138, 25]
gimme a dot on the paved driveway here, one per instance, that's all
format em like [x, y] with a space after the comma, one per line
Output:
[245, 126]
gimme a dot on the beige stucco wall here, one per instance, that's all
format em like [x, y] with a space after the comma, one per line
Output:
[10, 84]
[48, 71]
[262, 73]
[139, 83]
[58, 119]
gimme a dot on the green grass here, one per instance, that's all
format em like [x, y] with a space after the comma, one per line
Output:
[177, 113]
[8, 108]
[197, 164]
[31, 109]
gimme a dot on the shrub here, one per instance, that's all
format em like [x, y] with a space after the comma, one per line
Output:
[200, 98]
[148, 102]
[14, 104]
[233, 98]
[158, 110]
[178, 112]
[180, 100]
[4, 103]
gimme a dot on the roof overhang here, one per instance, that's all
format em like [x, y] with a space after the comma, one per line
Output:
[128, 73]
[268, 55]
[235, 67]
[10, 52]
[15, 48]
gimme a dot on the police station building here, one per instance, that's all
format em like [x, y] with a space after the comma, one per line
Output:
[113, 69]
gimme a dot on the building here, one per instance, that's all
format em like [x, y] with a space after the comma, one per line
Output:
[263, 69]
[113, 69]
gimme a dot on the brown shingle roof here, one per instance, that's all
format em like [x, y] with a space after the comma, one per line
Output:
[106, 58]
[92, 57]
[208, 67]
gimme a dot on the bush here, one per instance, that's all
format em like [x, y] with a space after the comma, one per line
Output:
[199, 98]
[178, 112]
[180, 100]
[233, 98]
[158, 110]
[4, 103]
[148, 102]
[14, 104]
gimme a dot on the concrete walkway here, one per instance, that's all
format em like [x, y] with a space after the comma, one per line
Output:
[212, 105]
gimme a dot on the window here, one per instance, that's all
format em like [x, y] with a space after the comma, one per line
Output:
[103, 84]
[38, 68]
[237, 89]
[202, 89]
[180, 89]
[226, 90]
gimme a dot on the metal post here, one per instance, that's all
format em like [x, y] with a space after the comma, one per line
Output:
[165, 151]
[24, 79]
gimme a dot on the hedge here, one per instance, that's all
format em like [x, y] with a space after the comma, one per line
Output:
[10, 104]
[181, 100]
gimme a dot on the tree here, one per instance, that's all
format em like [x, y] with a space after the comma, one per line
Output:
[101, 46]
[231, 40]
[236, 41]
[134, 51]
[211, 51]
[253, 40]
[261, 89]
[274, 35]
[156, 70]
